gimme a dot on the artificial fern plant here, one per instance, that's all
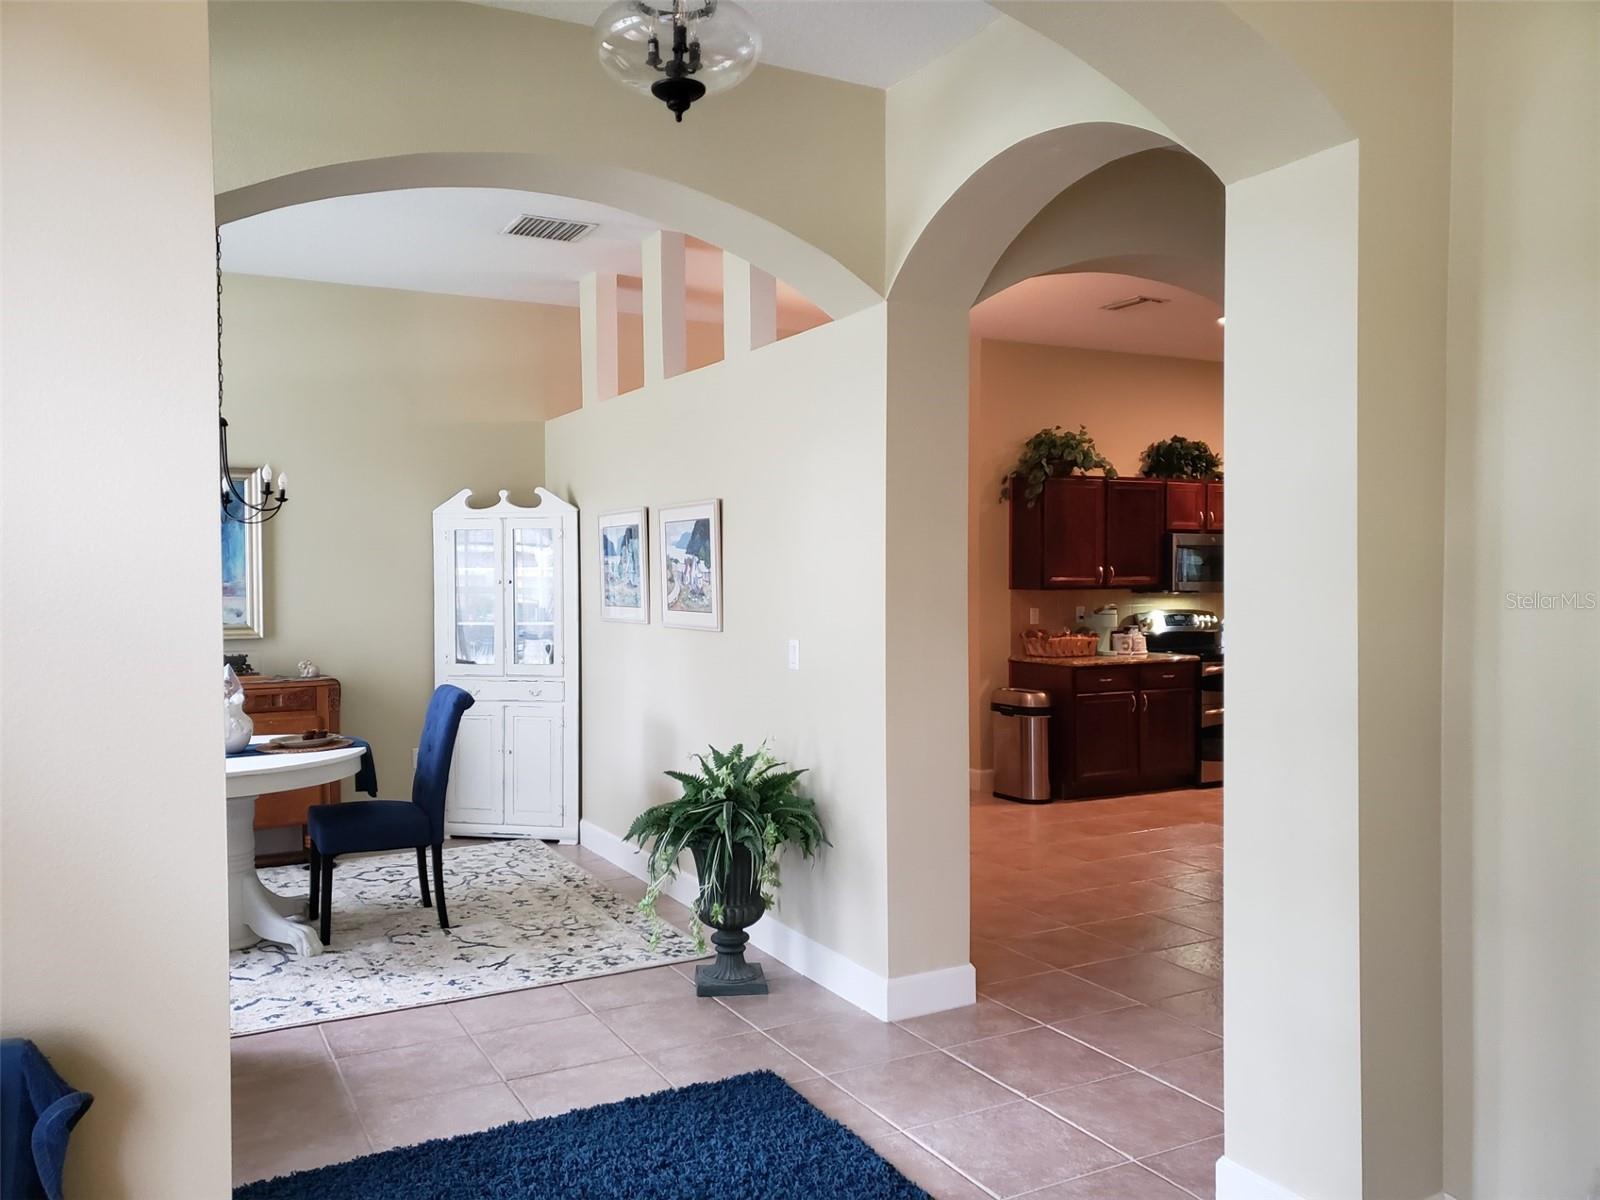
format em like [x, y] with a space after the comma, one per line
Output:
[1177, 457]
[735, 799]
[1050, 454]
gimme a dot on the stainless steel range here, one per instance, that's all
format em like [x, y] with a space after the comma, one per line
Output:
[1194, 631]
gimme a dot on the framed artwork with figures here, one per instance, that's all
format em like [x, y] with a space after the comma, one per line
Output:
[625, 566]
[243, 583]
[690, 537]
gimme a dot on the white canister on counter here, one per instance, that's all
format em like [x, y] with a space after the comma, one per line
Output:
[1122, 642]
[1139, 645]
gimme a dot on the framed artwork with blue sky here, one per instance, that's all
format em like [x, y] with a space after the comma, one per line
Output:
[243, 582]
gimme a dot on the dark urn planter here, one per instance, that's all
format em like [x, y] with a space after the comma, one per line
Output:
[730, 975]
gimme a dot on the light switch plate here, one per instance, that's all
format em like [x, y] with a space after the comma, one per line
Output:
[794, 654]
[1081, 612]
[1033, 616]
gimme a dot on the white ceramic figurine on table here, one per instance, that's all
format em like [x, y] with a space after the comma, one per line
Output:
[237, 727]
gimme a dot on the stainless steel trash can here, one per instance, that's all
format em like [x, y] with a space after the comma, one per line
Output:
[1021, 745]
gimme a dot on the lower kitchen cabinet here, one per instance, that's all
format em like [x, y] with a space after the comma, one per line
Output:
[1105, 741]
[1119, 727]
[1168, 748]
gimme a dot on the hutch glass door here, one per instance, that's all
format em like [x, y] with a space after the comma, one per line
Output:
[534, 593]
[476, 613]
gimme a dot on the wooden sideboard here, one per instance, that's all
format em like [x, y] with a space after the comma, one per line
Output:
[278, 705]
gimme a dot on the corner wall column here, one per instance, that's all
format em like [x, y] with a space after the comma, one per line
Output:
[665, 321]
[597, 332]
[749, 307]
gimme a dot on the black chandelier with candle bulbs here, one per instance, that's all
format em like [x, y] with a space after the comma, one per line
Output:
[237, 502]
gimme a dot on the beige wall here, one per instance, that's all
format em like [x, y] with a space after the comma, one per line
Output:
[380, 405]
[1522, 955]
[1126, 401]
[790, 439]
[112, 914]
[1404, 210]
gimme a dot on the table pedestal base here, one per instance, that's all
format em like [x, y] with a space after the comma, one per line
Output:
[254, 913]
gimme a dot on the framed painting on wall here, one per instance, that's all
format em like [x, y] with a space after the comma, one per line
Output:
[690, 537]
[624, 566]
[243, 583]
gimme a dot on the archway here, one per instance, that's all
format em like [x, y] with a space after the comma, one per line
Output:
[832, 286]
[1293, 202]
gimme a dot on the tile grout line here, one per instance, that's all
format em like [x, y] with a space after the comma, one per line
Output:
[344, 1086]
[864, 1104]
[1098, 1050]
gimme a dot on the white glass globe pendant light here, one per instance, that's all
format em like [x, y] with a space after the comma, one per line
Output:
[677, 51]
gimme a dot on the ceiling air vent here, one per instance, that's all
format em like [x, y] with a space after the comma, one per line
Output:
[1133, 302]
[548, 229]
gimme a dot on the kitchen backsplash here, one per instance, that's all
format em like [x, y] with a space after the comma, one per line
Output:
[1058, 610]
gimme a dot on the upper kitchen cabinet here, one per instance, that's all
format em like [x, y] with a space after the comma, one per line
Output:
[1089, 532]
[1027, 530]
[1072, 551]
[1135, 516]
[1193, 506]
[1186, 505]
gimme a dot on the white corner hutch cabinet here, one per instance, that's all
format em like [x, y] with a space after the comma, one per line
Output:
[505, 629]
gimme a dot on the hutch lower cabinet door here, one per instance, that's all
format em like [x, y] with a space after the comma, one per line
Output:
[505, 602]
[477, 791]
[533, 765]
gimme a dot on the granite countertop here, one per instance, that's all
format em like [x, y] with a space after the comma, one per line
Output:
[1107, 660]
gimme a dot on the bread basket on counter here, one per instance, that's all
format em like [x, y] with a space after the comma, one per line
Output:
[1041, 643]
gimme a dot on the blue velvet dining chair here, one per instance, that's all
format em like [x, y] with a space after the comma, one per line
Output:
[418, 823]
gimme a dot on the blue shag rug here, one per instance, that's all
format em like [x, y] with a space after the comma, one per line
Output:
[752, 1137]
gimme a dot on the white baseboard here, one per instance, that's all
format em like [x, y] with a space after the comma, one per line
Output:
[1241, 1183]
[931, 992]
[980, 779]
[889, 999]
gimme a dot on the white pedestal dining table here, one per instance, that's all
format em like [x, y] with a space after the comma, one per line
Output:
[254, 913]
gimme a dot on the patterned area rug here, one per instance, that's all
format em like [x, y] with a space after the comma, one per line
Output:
[520, 915]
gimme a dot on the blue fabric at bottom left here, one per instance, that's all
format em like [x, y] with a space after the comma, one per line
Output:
[37, 1112]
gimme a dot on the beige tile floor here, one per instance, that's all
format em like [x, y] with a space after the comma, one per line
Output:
[1090, 1068]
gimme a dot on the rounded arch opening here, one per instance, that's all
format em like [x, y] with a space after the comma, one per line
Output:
[832, 286]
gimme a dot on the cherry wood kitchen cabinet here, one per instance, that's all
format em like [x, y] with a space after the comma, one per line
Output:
[1194, 506]
[1214, 507]
[1118, 725]
[1072, 544]
[1027, 531]
[1167, 735]
[1105, 742]
[1135, 519]
[1186, 505]
[1087, 532]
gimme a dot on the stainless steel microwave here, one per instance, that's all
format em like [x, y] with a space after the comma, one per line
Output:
[1194, 562]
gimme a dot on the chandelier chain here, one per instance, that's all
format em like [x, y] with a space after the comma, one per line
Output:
[236, 503]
